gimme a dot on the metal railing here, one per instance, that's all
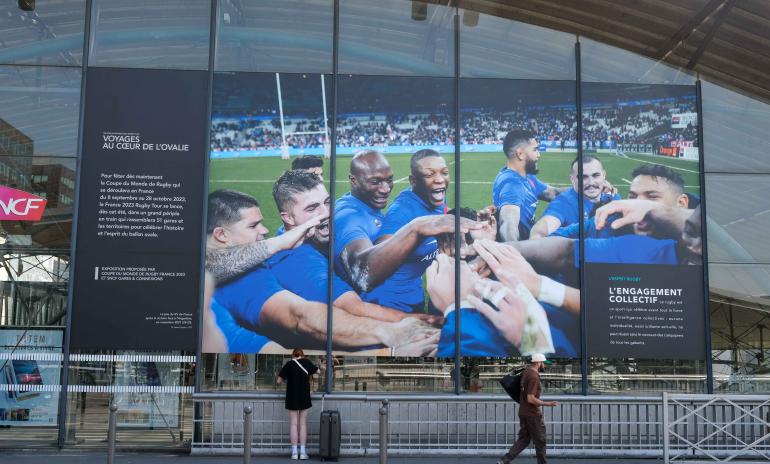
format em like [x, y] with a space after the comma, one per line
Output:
[716, 428]
[435, 424]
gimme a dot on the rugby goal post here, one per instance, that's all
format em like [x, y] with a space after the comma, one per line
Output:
[285, 152]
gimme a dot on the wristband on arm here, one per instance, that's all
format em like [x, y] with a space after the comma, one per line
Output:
[552, 292]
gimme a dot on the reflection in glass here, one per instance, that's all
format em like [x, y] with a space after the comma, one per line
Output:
[499, 47]
[39, 111]
[737, 229]
[151, 388]
[275, 35]
[386, 374]
[173, 34]
[30, 370]
[482, 375]
[641, 376]
[734, 128]
[605, 63]
[739, 338]
[396, 37]
[248, 372]
[45, 218]
[51, 34]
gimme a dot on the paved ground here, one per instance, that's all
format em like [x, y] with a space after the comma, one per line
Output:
[70, 457]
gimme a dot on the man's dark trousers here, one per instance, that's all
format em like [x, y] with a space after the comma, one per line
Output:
[532, 428]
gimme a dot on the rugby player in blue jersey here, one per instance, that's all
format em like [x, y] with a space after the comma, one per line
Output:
[563, 210]
[517, 189]
[358, 219]
[301, 196]
[257, 302]
[650, 182]
[426, 196]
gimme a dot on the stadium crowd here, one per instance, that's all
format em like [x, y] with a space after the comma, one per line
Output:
[608, 124]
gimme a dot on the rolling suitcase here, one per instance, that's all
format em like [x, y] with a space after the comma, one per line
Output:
[329, 438]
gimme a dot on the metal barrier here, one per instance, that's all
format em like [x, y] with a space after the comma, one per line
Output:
[716, 428]
[435, 424]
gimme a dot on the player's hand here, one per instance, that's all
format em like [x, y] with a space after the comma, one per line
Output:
[609, 189]
[440, 278]
[407, 331]
[296, 236]
[550, 403]
[480, 267]
[427, 346]
[508, 265]
[430, 226]
[632, 211]
[511, 313]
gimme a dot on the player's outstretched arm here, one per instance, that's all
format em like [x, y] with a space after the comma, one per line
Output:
[544, 226]
[353, 304]
[548, 255]
[509, 223]
[293, 321]
[229, 263]
[369, 265]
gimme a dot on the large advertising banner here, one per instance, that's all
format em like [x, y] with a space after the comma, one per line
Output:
[139, 222]
[643, 253]
[519, 160]
[268, 214]
[30, 368]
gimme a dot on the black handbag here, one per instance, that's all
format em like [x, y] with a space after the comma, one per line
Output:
[511, 383]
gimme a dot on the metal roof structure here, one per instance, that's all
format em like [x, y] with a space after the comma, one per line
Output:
[726, 41]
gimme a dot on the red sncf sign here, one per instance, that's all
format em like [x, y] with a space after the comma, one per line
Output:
[16, 205]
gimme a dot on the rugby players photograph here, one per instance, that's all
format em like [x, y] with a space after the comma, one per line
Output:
[258, 303]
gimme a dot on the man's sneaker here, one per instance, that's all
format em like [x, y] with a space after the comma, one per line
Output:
[304, 456]
[294, 456]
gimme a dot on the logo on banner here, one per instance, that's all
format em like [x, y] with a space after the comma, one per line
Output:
[17, 205]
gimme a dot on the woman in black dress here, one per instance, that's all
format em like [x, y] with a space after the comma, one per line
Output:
[297, 374]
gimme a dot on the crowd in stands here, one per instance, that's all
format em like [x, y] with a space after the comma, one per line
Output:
[648, 123]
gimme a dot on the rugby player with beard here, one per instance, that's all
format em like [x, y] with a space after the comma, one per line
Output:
[517, 189]
[257, 302]
[300, 197]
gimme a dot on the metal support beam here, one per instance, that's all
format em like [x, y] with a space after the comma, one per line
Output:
[721, 15]
[687, 29]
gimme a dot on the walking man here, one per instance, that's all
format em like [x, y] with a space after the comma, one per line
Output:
[532, 426]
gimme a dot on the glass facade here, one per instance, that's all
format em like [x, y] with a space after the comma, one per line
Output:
[401, 81]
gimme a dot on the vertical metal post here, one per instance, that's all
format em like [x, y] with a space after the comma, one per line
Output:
[113, 422]
[384, 432]
[704, 239]
[458, 203]
[333, 195]
[665, 428]
[247, 411]
[64, 375]
[199, 363]
[581, 231]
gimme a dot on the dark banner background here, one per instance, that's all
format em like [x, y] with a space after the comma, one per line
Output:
[137, 268]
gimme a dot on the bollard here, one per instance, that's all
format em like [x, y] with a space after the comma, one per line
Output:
[113, 422]
[247, 434]
[384, 432]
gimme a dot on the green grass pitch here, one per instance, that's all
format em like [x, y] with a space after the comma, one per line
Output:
[256, 175]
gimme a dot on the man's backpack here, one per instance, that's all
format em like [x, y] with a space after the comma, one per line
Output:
[512, 384]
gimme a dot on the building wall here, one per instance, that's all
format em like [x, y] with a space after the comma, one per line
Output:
[41, 70]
